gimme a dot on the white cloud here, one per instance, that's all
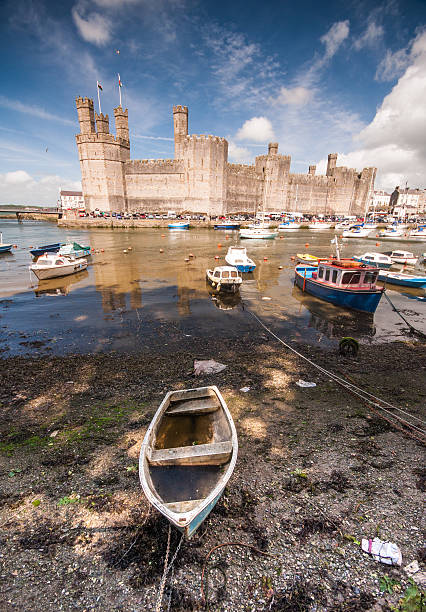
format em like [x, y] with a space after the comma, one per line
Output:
[371, 36]
[258, 129]
[332, 40]
[16, 178]
[19, 187]
[395, 140]
[392, 65]
[238, 154]
[93, 27]
[35, 111]
[293, 96]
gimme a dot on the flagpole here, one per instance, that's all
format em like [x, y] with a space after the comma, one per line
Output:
[99, 97]
[119, 88]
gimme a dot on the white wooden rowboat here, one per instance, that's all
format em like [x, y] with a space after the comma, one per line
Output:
[188, 455]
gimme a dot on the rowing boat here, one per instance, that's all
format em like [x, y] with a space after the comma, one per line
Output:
[188, 455]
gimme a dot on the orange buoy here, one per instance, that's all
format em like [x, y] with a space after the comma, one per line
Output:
[306, 244]
[163, 235]
[265, 259]
[130, 248]
[15, 246]
[341, 235]
[292, 258]
[161, 250]
[377, 235]
[102, 250]
[281, 237]
[377, 243]
[191, 254]
[219, 245]
[93, 248]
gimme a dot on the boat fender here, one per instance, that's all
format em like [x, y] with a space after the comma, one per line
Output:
[348, 347]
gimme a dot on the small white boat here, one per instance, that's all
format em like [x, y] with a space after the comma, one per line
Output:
[343, 225]
[52, 265]
[224, 278]
[188, 455]
[402, 257]
[356, 232]
[289, 226]
[178, 225]
[320, 225]
[406, 280]
[391, 232]
[73, 249]
[237, 257]
[419, 233]
[379, 260]
[4, 247]
[259, 232]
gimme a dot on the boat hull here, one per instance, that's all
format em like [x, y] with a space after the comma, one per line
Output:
[178, 226]
[227, 226]
[361, 300]
[5, 248]
[258, 235]
[48, 248]
[415, 283]
[45, 273]
[382, 266]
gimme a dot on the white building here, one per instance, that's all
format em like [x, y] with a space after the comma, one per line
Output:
[380, 201]
[71, 200]
[410, 203]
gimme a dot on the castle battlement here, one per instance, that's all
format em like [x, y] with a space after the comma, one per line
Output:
[200, 179]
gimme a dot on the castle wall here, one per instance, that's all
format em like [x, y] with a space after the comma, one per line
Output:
[153, 185]
[244, 189]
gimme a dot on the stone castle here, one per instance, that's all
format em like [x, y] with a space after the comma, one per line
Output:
[200, 179]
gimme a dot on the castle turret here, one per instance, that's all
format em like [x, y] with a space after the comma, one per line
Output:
[273, 148]
[312, 170]
[86, 115]
[121, 123]
[102, 123]
[332, 160]
[180, 123]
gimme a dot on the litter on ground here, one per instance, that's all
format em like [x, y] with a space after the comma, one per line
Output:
[208, 366]
[305, 383]
[383, 552]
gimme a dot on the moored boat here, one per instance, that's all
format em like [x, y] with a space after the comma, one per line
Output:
[227, 225]
[344, 283]
[356, 232]
[51, 265]
[188, 455]
[307, 258]
[289, 226]
[47, 248]
[379, 260]
[419, 233]
[259, 232]
[73, 249]
[391, 232]
[183, 225]
[224, 278]
[400, 278]
[237, 257]
[320, 225]
[402, 257]
[4, 247]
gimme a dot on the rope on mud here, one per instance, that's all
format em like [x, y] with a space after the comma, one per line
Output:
[412, 329]
[204, 597]
[167, 567]
[364, 395]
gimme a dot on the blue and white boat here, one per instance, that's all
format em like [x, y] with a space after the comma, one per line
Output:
[342, 282]
[419, 233]
[237, 257]
[406, 280]
[188, 456]
[47, 248]
[289, 226]
[73, 249]
[379, 260]
[4, 248]
[392, 231]
[227, 225]
[179, 225]
[357, 231]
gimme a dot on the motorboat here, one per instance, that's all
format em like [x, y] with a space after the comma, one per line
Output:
[391, 231]
[52, 265]
[400, 278]
[289, 226]
[320, 225]
[4, 247]
[342, 282]
[402, 257]
[307, 258]
[356, 232]
[178, 225]
[419, 233]
[237, 257]
[343, 225]
[227, 225]
[47, 248]
[188, 455]
[379, 260]
[259, 232]
[73, 249]
[224, 278]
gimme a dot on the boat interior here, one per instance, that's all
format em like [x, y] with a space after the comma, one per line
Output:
[189, 450]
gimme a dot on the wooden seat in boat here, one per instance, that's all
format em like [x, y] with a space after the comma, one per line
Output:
[217, 453]
[201, 405]
[184, 506]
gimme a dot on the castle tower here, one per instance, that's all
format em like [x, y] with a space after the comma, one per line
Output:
[86, 115]
[273, 148]
[312, 170]
[121, 123]
[180, 124]
[332, 160]
[102, 123]
[102, 160]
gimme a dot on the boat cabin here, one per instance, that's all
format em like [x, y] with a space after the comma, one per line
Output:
[52, 260]
[225, 272]
[346, 274]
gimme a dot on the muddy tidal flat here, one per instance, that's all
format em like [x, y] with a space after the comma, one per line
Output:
[317, 470]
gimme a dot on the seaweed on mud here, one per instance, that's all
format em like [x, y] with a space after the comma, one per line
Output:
[338, 481]
[316, 525]
[237, 504]
[299, 597]
[376, 425]
[363, 601]
[295, 483]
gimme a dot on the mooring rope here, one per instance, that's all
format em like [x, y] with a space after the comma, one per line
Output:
[412, 329]
[364, 395]
[167, 567]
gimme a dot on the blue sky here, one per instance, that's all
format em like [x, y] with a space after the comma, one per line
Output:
[318, 77]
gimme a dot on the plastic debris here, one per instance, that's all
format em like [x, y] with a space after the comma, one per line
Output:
[245, 389]
[383, 552]
[305, 383]
[207, 367]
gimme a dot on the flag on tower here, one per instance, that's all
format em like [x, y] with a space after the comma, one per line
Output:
[99, 85]
[120, 84]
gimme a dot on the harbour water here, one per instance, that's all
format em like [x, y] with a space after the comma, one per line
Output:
[145, 298]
